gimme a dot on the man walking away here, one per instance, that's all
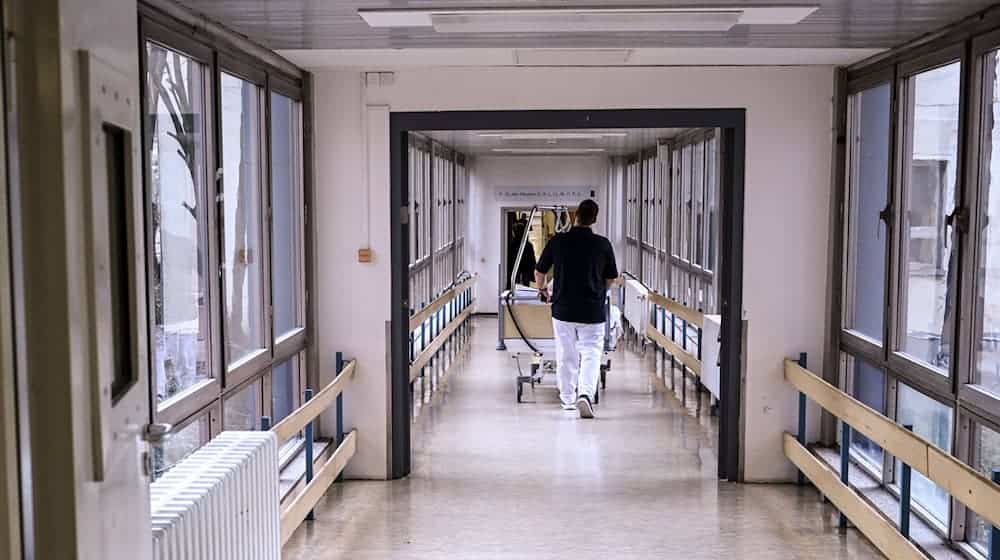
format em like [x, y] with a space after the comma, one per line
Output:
[585, 269]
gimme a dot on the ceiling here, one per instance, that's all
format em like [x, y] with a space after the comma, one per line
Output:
[335, 24]
[576, 142]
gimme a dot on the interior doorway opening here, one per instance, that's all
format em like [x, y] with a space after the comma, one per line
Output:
[728, 128]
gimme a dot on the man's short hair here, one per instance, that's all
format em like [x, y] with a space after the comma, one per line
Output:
[586, 213]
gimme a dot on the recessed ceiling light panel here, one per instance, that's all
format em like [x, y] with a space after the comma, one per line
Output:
[583, 22]
[586, 20]
[548, 150]
[552, 135]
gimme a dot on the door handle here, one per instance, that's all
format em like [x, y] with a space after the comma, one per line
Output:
[156, 434]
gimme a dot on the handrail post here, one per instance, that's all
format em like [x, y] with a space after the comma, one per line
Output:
[309, 449]
[845, 464]
[994, 530]
[339, 364]
[904, 496]
[673, 362]
[697, 383]
[663, 351]
[500, 311]
[801, 436]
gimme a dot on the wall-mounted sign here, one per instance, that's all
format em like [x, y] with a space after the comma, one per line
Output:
[566, 195]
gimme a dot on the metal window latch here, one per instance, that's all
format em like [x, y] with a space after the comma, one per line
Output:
[885, 214]
[959, 218]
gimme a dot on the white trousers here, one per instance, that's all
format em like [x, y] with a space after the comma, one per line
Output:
[578, 358]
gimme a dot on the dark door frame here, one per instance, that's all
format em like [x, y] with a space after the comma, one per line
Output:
[732, 125]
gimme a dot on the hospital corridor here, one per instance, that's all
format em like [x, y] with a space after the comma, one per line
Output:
[499, 279]
[494, 479]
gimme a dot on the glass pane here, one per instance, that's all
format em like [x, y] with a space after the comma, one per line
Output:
[176, 144]
[987, 450]
[242, 411]
[711, 195]
[926, 245]
[686, 172]
[931, 420]
[988, 302]
[180, 444]
[698, 200]
[869, 195]
[868, 387]
[284, 389]
[244, 279]
[287, 256]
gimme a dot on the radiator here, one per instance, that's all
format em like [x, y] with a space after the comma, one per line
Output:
[221, 502]
[636, 304]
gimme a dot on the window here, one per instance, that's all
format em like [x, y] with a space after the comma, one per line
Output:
[287, 246]
[225, 215]
[868, 196]
[930, 173]
[697, 204]
[175, 139]
[687, 172]
[932, 421]
[242, 231]
[181, 443]
[438, 186]
[286, 387]
[986, 453]
[987, 371]
[712, 166]
[868, 385]
[242, 411]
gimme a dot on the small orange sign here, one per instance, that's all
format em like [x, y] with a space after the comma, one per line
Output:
[364, 255]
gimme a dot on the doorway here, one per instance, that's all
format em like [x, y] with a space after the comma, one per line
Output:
[732, 134]
[514, 226]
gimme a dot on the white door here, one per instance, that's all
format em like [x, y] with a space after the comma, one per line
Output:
[120, 397]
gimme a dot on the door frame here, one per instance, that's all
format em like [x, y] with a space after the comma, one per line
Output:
[732, 125]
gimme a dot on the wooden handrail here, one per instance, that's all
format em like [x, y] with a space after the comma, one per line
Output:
[420, 316]
[428, 352]
[694, 317]
[966, 485]
[297, 511]
[879, 530]
[302, 416]
[689, 360]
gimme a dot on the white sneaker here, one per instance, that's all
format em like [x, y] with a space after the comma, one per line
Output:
[570, 406]
[583, 405]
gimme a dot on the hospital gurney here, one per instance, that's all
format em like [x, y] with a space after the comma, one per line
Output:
[525, 332]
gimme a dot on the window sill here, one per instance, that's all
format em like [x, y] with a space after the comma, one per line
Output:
[922, 534]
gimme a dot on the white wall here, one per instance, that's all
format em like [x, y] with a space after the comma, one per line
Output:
[488, 174]
[785, 237]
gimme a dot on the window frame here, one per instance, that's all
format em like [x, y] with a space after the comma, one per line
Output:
[968, 44]
[851, 186]
[907, 366]
[176, 409]
[288, 342]
[219, 54]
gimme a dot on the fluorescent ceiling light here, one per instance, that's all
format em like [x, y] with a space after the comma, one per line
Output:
[593, 20]
[548, 150]
[583, 22]
[552, 135]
